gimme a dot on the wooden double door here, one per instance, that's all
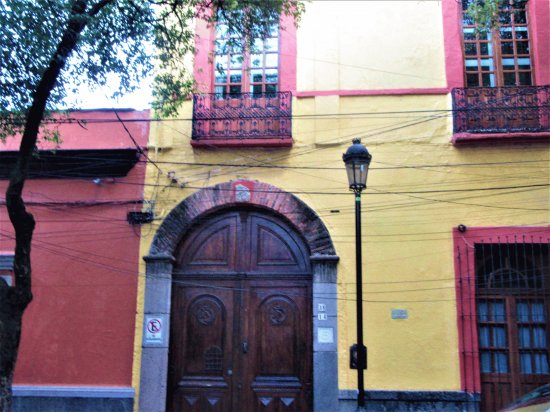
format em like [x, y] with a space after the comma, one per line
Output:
[241, 318]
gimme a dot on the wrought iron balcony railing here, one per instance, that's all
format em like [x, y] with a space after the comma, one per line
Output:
[242, 117]
[501, 109]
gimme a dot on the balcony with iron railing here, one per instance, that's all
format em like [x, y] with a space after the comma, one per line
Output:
[242, 119]
[496, 113]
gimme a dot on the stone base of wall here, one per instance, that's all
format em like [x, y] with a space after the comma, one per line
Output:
[72, 399]
[410, 401]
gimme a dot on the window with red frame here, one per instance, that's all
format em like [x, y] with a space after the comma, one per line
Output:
[500, 57]
[503, 292]
[255, 72]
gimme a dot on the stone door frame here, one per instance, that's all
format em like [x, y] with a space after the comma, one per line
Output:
[158, 284]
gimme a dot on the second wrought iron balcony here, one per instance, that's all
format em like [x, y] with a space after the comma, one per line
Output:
[498, 113]
[242, 119]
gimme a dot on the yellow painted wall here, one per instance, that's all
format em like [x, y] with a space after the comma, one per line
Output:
[351, 45]
[407, 235]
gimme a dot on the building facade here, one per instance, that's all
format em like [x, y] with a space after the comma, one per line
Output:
[76, 350]
[250, 264]
[244, 295]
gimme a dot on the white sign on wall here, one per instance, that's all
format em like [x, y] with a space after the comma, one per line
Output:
[154, 329]
[325, 335]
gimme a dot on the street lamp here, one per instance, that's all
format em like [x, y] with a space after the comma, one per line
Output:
[357, 159]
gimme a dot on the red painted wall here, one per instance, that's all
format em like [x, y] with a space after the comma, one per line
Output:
[79, 329]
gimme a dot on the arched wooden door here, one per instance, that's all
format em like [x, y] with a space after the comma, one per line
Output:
[241, 318]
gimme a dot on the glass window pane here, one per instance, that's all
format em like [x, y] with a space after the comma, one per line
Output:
[521, 33]
[484, 35]
[233, 90]
[470, 49]
[484, 337]
[509, 79]
[236, 61]
[272, 44]
[219, 90]
[235, 78]
[272, 75]
[482, 311]
[537, 311]
[505, 18]
[256, 76]
[271, 60]
[506, 33]
[469, 34]
[539, 337]
[256, 89]
[524, 336]
[484, 49]
[525, 361]
[221, 62]
[541, 363]
[221, 47]
[522, 47]
[220, 77]
[501, 363]
[486, 362]
[498, 311]
[499, 337]
[522, 309]
[256, 60]
[507, 47]
[270, 88]
[274, 30]
[520, 17]
[258, 45]
[472, 80]
[525, 79]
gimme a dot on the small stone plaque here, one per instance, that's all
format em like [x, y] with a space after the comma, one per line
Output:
[325, 335]
[399, 314]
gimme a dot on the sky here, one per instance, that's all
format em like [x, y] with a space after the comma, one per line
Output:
[100, 98]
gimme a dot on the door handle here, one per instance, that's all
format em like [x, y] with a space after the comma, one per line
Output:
[245, 346]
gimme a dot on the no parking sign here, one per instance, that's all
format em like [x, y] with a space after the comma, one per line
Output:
[154, 329]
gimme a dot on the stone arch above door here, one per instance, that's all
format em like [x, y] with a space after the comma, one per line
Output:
[158, 283]
[242, 192]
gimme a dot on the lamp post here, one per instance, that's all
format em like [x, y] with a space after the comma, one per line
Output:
[357, 159]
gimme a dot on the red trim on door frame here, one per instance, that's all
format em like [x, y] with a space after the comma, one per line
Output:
[464, 263]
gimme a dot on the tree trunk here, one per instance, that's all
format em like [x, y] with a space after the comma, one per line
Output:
[15, 299]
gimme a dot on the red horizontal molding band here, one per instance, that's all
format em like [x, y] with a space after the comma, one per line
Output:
[375, 92]
[515, 137]
[284, 142]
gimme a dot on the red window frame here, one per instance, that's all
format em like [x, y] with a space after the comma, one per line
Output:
[465, 278]
[204, 68]
[499, 57]
[256, 73]
[538, 14]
